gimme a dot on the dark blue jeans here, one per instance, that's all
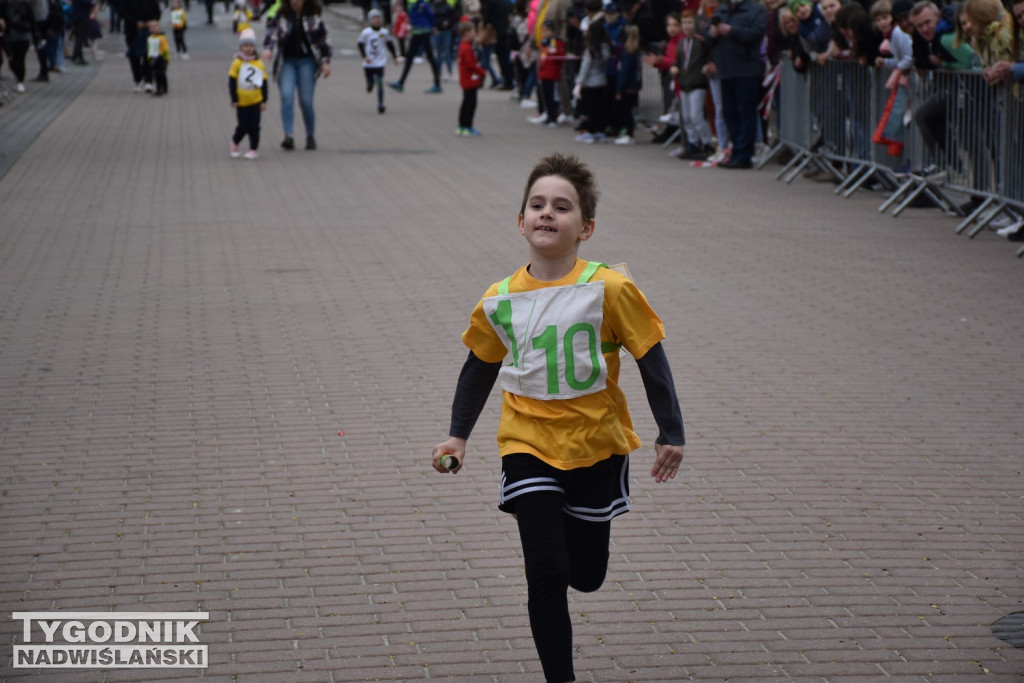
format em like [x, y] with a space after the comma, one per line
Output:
[739, 104]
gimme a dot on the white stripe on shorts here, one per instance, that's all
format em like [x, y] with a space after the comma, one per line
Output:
[618, 506]
[508, 492]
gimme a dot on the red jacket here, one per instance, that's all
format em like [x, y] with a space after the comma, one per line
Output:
[552, 56]
[471, 74]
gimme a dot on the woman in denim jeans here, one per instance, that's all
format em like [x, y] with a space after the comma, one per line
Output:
[444, 21]
[298, 38]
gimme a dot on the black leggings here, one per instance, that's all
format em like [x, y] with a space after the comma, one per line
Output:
[559, 551]
[17, 51]
[248, 124]
[468, 108]
[420, 40]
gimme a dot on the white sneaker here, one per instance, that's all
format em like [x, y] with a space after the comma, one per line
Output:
[1011, 229]
[527, 104]
[539, 118]
[585, 137]
[252, 154]
[1000, 222]
[185, 56]
[234, 151]
[625, 140]
[719, 156]
[138, 87]
[671, 117]
[563, 119]
[150, 87]
[20, 87]
[759, 151]
[418, 60]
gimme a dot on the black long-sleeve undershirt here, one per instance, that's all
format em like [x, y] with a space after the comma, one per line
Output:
[477, 379]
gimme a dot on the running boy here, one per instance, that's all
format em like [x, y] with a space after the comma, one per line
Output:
[471, 77]
[565, 430]
[158, 55]
[371, 46]
[247, 85]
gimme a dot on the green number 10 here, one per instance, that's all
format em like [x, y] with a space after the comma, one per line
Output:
[548, 342]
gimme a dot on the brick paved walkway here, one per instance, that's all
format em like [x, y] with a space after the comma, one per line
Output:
[183, 335]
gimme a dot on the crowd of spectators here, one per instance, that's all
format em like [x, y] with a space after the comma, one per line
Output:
[730, 50]
[578, 62]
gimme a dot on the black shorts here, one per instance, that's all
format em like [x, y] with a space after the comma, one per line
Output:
[594, 494]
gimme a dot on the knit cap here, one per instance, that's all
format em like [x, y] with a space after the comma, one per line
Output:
[374, 13]
[247, 37]
[794, 5]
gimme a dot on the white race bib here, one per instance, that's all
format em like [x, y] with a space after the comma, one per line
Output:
[250, 77]
[554, 338]
[153, 47]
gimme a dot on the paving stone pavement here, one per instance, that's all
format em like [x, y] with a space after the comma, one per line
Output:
[183, 336]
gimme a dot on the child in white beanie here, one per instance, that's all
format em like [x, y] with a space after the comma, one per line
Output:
[247, 84]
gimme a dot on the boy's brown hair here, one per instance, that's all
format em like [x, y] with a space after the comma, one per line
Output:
[881, 8]
[569, 167]
[465, 27]
[688, 14]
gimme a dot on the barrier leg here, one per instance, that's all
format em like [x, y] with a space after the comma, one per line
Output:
[768, 157]
[911, 197]
[853, 175]
[675, 136]
[934, 193]
[808, 158]
[974, 214]
[797, 158]
[895, 196]
[983, 224]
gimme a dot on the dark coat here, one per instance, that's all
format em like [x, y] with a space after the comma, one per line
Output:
[738, 55]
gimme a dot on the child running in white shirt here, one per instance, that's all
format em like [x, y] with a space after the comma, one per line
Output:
[371, 47]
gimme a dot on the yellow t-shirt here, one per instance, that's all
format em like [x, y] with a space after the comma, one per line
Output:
[580, 431]
[157, 47]
[178, 18]
[249, 75]
[242, 19]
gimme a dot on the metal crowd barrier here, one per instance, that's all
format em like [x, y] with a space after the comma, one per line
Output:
[827, 118]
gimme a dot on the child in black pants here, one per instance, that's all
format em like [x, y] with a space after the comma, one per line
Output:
[565, 430]
[247, 84]
[471, 77]
[158, 54]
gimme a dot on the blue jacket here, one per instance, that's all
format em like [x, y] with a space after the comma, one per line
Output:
[615, 36]
[738, 55]
[628, 80]
[421, 17]
[815, 32]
